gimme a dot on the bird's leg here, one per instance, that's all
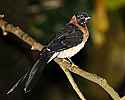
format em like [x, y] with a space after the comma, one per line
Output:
[71, 62]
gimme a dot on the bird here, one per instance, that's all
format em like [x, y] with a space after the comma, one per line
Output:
[66, 43]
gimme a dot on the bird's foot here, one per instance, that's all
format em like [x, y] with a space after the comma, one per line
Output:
[73, 65]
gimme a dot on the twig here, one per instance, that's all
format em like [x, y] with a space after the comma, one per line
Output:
[62, 62]
[20, 34]
[92, 77]
[71, 80]
[123, 98]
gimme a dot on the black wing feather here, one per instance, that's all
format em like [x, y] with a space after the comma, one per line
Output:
[69, 37]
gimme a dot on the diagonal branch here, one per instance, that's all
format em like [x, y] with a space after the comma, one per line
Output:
[123, 98]
[72, 82]
[62, 62]
[20, 34]
[91, 77]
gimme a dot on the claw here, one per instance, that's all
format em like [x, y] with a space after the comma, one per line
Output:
[73, 65]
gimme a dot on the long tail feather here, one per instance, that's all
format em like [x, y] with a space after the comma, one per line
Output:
[32, 76]
[17, 83]
[37, 69]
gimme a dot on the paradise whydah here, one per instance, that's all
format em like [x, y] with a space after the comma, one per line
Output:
[68, 42]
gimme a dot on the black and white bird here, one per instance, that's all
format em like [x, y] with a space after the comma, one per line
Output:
[68, 42]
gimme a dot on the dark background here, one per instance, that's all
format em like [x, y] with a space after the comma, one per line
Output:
[104, 53]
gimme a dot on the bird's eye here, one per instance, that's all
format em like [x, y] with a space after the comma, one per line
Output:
[82, 18]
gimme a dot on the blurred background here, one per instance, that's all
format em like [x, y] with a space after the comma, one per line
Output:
[104, 53]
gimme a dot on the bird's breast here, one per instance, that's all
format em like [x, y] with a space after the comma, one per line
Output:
[68, 53]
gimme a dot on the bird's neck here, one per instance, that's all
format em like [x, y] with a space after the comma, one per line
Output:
[83, 29]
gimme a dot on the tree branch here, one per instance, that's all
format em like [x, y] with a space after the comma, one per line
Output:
[71, 80]
[64, 64]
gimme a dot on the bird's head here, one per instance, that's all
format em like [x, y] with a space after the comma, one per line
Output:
[80, 19]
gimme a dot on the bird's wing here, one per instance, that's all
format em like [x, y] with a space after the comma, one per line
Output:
[69, 37]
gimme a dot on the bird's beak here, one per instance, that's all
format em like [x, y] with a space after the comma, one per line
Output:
[87, 18]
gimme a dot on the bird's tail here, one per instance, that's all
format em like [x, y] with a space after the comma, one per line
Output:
[19, 82]
[30, 79]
